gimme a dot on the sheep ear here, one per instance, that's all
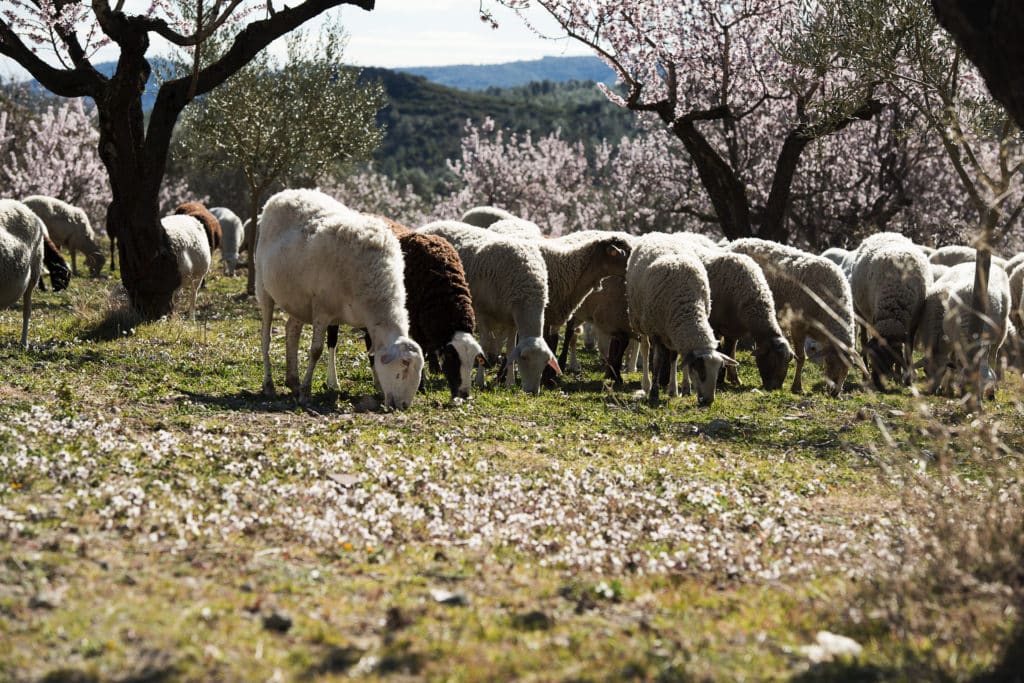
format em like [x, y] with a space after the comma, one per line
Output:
[614, 252]
[729, 362]
[553, 364]
[481, 359]
[388, 355]
[513, 355]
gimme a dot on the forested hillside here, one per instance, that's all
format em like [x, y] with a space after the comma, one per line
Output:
[512, 74]
[425, 120]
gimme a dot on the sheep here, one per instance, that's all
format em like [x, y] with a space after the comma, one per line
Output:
[669, 302]
[325, 264]
[516, 227]
[508, 280]
[955, 254]
[232, 233]
[68, 226]
[192, 251]
[485, 216]
[812, 298]
[742, 304]
[937, 270]
[944, 327]
[440, 308]
[1016, 281]
[1013, 262]
[842, 258]
[890, 279]
[21, 258]
[605, 309]
[211, 226]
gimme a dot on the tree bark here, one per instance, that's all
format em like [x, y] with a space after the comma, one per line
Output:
[990, 33]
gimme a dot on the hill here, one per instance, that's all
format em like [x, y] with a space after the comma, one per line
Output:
[425, 120]
[511, 74]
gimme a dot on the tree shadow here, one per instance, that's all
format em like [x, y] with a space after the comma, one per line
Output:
[116, 323]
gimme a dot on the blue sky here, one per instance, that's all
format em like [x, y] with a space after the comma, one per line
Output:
[428, 33]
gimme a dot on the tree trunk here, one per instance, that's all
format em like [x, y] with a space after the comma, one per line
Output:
[725, 190]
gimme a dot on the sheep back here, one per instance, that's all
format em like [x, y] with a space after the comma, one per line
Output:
[890, 279]
[211, 226]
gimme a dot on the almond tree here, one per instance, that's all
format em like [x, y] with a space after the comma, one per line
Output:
[56, 40]
[715, 76]
[57, 156]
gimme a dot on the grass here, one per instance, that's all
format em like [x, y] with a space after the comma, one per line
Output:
[161, 520]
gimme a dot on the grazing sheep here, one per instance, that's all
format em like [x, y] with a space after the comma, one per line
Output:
[508, 280]
[68, 226]
[325, 264]
[232, 232]
[842, 258]
[669, 301]
[1016, 280]
[890, 279]
[440, 308]
[209, 222]
[955, 254]
[938, 270]
[605, 309]
[54, 264]
[944, 328]
[192, 251]
[21, 258]
[812, 298]
[1013, 262]
[485, 216]
[517, 227]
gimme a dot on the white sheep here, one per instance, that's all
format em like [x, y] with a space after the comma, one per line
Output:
[192, 251]
[1013, 262]
[944, 328]
[669, 301]
[955, 254]
[937, 270]
[325, 264]
[842, 258]
[890, 279]
[232, 232]
[508, 280]
[485, 216]
[742, 304]
[812, 299]
[68, 226]
[517, 227]
[21, 258]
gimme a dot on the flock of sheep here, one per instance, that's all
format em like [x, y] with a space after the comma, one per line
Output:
[428, 295]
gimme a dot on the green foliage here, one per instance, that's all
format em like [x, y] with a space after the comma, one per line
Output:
[285, 122]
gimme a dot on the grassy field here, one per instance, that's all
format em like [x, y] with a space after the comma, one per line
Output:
[161, 520]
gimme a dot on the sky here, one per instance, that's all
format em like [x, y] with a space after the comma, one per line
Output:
[403, 33]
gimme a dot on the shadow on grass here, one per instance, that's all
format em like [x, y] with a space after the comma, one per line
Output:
[117, 322]
[324, 403]
[147, 674]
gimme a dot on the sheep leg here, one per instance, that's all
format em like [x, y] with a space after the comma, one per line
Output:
[267, 312]
[293, 330]
[74, 265]
[113, 244]
[316, 349]
[569, 341]
[673, 375]
[656, 359]
[798, 350]
[645, 363]
[332, 352]
[616, 350]
[908, 360]
[195, 299]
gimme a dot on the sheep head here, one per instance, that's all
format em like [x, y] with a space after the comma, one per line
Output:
[702, 366]
[399, 367]
[773, 359]
[533, 354]
[459, 357]
[95, 263]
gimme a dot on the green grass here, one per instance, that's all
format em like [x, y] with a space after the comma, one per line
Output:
[155, 509]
